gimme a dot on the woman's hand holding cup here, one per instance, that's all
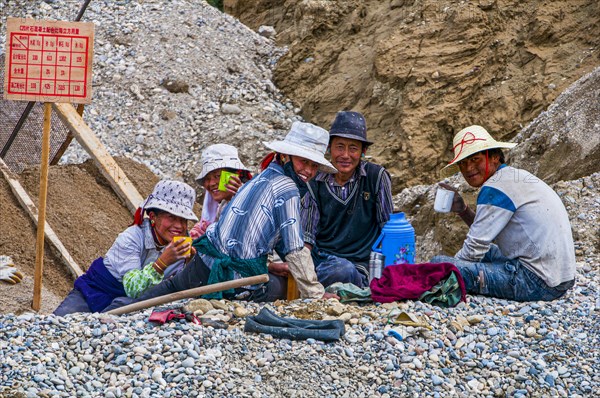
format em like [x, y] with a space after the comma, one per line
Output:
[233, 184]
[178, 249]
[183, 246]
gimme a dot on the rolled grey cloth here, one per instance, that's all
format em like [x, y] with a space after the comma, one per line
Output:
[294, 329]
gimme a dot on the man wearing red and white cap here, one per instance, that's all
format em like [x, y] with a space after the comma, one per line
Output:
[519, 245]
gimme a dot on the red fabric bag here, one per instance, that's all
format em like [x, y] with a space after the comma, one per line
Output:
[409, 281]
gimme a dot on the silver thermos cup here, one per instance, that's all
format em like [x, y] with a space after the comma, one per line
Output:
[376, 261]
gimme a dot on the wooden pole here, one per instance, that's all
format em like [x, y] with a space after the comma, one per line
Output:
[197, 291]
[39, 248]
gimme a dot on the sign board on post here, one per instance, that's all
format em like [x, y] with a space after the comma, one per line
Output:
[48, 61]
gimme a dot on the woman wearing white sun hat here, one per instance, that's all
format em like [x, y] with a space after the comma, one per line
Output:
[533, 257]
[215, 160]
[263, 216]
[142, 255]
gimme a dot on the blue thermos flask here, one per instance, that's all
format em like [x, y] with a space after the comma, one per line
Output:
[397, 241]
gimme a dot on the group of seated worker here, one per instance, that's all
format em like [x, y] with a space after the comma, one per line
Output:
[321, 218]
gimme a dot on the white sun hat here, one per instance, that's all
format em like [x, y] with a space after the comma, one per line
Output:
[307, 141]
[174, 197]
[219, 156]
[469, 141]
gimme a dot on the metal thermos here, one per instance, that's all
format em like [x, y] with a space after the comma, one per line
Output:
[376, 261]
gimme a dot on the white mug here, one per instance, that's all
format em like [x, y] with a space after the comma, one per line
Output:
[443, 200]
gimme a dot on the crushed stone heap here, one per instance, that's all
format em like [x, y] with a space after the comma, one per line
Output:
[170, 80]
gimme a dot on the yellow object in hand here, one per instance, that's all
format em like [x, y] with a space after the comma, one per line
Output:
[187, 239]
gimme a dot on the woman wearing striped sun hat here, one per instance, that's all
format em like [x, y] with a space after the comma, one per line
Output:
[142, 256]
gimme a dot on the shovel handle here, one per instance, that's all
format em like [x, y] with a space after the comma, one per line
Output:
[197, 291]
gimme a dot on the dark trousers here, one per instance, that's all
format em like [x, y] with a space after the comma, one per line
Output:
[331, 269]
[196, 274]
[74, 302]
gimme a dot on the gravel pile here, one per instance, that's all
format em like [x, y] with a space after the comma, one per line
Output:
[485, 348]
[171, 78]
[174, 77]
[581, 198]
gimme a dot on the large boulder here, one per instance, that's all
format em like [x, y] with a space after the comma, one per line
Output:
[563, 143]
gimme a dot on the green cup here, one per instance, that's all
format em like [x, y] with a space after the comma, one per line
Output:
[225, 177]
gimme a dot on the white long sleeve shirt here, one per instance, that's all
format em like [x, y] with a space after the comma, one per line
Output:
[527, 220]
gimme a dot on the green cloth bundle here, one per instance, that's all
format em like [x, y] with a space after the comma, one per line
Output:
[224, 266]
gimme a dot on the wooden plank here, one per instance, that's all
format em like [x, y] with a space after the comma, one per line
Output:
[122, 186]
[39, 244]
[292, 288]
[195, 292]
[27, 204]
[65, 145]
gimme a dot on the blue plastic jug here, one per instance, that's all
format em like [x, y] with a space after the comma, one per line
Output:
[397, 241]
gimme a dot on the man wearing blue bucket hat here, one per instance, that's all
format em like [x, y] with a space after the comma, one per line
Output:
[344, 213]
[519, 246]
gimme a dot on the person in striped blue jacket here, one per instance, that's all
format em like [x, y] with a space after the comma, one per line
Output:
[519, 245]
[262, 217]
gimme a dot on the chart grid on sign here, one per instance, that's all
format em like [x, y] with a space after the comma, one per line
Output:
[48, 61]
[48, 65]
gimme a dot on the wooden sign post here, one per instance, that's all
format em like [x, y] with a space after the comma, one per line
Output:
[39, 246]
[47, 61]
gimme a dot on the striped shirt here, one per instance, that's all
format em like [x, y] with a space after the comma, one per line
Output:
[263, 215]
[310, 210]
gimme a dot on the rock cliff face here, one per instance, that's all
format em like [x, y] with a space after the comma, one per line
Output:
[563, 143]
[421, 71]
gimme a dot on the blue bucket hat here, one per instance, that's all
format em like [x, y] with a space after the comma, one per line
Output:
[352, 125]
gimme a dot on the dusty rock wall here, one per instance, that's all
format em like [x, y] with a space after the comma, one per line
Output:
[420, 71]
[563, 142]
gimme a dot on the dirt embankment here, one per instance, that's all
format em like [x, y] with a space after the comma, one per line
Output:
[84, 212]
[421, 71]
